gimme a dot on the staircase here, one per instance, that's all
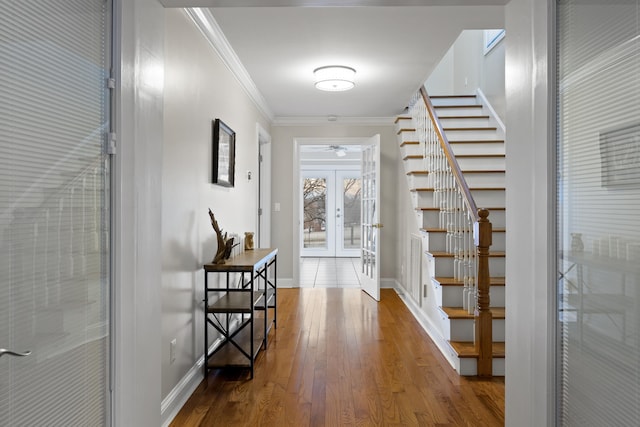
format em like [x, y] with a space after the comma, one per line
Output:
[478, 147]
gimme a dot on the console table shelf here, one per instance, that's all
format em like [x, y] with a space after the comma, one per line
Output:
[242, 314]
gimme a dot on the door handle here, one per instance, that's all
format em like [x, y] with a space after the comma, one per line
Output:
[4, 351]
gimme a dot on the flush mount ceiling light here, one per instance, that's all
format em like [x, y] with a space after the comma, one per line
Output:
[334, 78]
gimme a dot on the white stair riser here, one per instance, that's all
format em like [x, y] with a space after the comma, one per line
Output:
[407, 135]
[404, 123]
[464, 122]
[443, 266]
[430, 219]
[468, 135]
[423, 199]
[461, 148]
[410, 150]
[419, 181]
[467, 367]
[436, 241]
[460, 111]
[454, 100]
[414, 164]
[492, 179]
[481, 163]
[464, 329]
[451, 296]
[489, 198]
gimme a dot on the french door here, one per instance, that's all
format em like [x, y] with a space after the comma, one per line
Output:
[54, 213]
[331, 201]
[370, 245]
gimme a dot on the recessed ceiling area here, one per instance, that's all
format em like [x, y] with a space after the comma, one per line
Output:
[393, 48]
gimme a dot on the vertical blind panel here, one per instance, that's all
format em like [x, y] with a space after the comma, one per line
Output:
[54, 212]
[598, 217]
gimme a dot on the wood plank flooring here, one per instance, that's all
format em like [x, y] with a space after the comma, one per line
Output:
[338, 358]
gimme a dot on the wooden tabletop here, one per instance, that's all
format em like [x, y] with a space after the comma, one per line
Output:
[246, 261]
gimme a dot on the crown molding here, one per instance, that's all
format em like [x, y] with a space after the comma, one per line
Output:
[323, 121]
[206, 23]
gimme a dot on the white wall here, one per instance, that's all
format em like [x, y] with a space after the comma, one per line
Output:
[139, 55]
[530, 242]
[465, 67]
[198, 89]
[283, 222]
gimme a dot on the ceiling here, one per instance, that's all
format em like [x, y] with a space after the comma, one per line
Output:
[393, 49]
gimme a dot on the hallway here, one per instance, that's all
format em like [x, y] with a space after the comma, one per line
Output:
[339, 358]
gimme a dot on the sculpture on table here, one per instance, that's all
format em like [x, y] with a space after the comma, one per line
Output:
[225, 245]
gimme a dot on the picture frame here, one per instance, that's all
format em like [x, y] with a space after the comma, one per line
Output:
[620, 157]
[224, 154]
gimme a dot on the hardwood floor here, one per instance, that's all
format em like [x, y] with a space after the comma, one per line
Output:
[338, 358]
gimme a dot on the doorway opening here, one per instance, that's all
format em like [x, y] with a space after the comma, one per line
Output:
[329, 215]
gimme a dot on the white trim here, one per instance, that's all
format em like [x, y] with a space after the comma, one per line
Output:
[296, 202]
[286, 282]
[492, 112]
[206, 23]
[176, 399]
[491, 38]
[324, 121]
[427, 325]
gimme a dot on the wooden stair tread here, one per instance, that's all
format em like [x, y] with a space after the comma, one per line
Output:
[477, 141]
[458, 106]
[467, 349]
[452, 96]
[470, 128]
[405, 130]
[409, 143]
[444, 230]
[472, 189]
[463, 117]
[413, 156]
[442, 254]
[418, 173]
[461, 313]
[398, 118]
[485, 171]
[450, 281]
[479, 156]
[498, 208]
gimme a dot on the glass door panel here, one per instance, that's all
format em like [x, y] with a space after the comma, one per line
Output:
[348, 213]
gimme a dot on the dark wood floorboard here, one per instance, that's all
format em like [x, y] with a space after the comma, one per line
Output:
[338, 358]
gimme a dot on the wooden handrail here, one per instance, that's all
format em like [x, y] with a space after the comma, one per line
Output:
[448, 152]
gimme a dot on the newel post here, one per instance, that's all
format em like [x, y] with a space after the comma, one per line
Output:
[483, 315]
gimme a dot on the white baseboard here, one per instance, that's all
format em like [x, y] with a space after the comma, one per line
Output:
[176, 399]
[427, 325]
[389, 284]
[285, 282]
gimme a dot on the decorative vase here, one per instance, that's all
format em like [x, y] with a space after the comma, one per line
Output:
[577, 246]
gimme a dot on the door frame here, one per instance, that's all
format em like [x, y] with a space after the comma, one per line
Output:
[296, 199]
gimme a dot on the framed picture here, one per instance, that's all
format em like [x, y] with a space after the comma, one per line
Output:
[620, 154]
[224, 154]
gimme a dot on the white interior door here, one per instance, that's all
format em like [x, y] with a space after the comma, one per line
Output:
[54, 213]
[370, 247]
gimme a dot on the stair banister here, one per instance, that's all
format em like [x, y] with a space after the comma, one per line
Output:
[469, 231]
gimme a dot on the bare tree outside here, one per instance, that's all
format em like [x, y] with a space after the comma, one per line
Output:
[314, 194]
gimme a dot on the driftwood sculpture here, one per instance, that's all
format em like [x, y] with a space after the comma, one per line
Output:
[225, 245]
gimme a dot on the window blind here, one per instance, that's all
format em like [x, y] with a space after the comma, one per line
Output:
[54, 212]
[598, 215]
